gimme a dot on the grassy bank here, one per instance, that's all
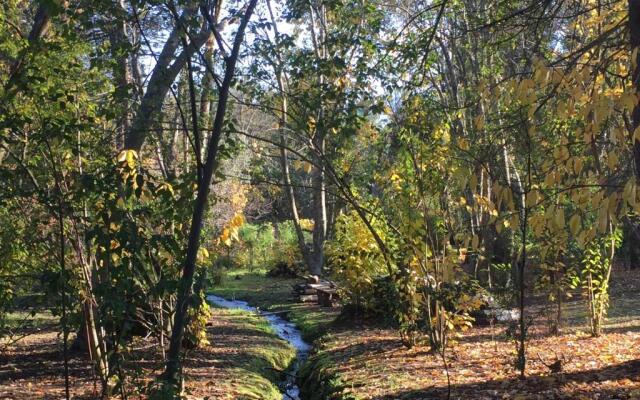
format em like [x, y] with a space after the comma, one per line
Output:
[318, 378]
[274, 294]
[246, 357]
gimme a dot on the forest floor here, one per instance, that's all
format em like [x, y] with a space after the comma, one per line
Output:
[241, 362]
[360, 360]
[355, 359]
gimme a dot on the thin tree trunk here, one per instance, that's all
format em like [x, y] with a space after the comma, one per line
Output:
[634, 30]
[284, 161]
[318, 181]
[122, 74]
[173, 367]
[319, 210]
[206, 97]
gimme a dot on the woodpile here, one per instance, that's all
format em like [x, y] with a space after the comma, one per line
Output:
[316, 290]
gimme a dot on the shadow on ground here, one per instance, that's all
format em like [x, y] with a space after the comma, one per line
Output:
[538, 385]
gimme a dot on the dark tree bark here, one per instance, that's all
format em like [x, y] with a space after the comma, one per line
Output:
[634, 29]
[172, 371]
[122, 72]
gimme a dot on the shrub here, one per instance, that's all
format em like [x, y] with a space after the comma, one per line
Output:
[225, 263]
[356, 262]
[217, 277]
[285, 270]
[195, 334]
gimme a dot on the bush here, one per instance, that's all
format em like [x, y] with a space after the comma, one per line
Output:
[285, 270]
[195, 334]
[286, 248]
[266, 246]
[217, 277]
[356, 263]
[225, 263]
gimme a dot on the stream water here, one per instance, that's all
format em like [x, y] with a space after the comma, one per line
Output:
[285, 330]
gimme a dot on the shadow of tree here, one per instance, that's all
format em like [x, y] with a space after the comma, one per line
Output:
[558, 386]
[34, 368]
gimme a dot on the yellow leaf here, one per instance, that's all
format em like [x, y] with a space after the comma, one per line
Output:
[167, 186]
[559, 218]
[479, 122]
[612, 160]
[473, 182]
[237, 221]
[603, 218]
[578, 163]
[532, 198]
[629, 192]
[515, 220]
[629, 100]
[574, 224]
[308, 167]
[203, 254]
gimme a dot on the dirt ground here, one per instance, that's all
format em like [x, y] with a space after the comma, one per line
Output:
[371, 363]
[240, 362]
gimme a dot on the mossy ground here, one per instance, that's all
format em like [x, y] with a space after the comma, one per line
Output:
[243, 361]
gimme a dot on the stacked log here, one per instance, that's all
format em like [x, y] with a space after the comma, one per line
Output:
[316, 290]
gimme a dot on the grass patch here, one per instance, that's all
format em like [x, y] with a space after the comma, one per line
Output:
[274, 294]
[18, 323]
[319, 379]
[30, 319]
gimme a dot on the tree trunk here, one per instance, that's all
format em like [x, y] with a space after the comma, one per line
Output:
[172, 371]
[122, 75]
[167, 68]
[319, 210]
[206, 97]
[318, 181]
[634, 29]
[284, 160]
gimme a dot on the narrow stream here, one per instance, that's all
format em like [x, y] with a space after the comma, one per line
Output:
[285, 330]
